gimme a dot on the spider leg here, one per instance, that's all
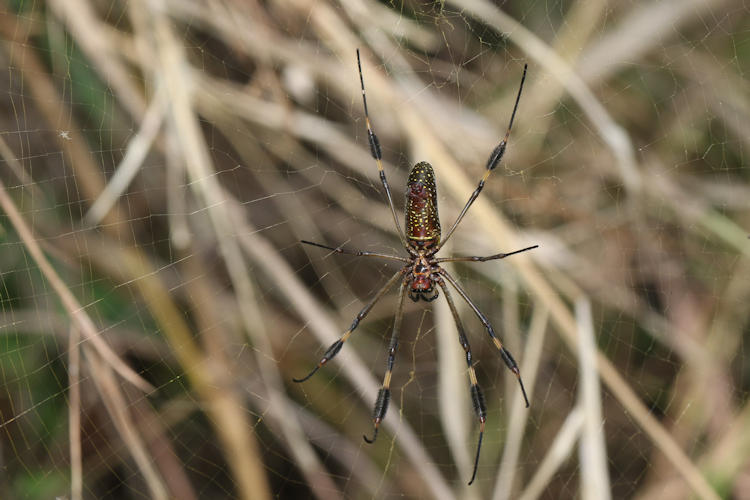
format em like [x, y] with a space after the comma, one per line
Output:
[492, 162]
[378, 155]
[358, 253]
[504, 353]
[384, 394]
[477, 397]
[483, 259]
[334, 349]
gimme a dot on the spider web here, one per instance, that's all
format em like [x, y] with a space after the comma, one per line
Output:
[164, 158]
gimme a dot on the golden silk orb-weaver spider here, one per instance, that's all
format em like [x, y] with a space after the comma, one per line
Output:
[421, 270]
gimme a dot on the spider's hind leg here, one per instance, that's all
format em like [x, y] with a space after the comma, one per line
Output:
[477, 396]
[334, 349]
[384, 395]
[504, 353]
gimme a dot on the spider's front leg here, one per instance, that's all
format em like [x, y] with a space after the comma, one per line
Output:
[492, 162]
[377, 155]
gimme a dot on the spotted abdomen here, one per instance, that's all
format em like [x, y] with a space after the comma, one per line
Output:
[422, 222]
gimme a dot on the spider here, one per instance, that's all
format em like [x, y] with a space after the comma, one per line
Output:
[421, 273]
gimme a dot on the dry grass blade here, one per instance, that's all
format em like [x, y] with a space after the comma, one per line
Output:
[519, 415]
[7, 155]
[117, 407]
[664, 188]
[138, 148]
[642, 31]
[558, 452]
[593, 453]
[74, 412]
[96, 39]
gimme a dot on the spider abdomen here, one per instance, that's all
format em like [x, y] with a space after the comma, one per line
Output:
[422, 221]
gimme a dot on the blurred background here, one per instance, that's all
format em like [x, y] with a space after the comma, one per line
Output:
[162, 159]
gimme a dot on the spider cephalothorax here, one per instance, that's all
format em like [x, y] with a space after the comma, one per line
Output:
[421, 271]
[423, 277]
